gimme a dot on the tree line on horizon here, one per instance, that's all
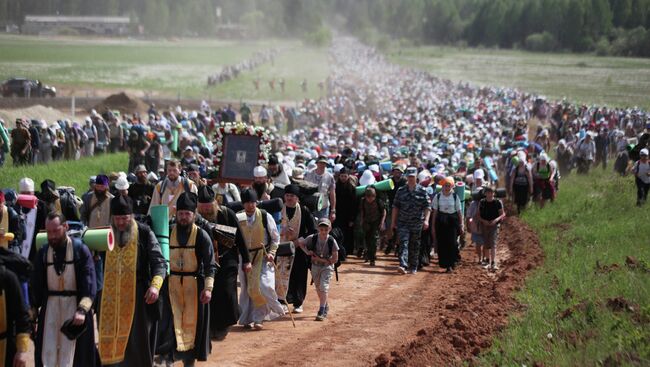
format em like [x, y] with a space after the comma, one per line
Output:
[607, 27]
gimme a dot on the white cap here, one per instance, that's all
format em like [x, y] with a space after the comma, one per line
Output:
[337, 167]
[259, 171]
[373, 168]
[121, 183]
[152, 176]
[423, 175]
[479, 174]
[644, 151]
[543, 157]
[26, 184]
[367, 178]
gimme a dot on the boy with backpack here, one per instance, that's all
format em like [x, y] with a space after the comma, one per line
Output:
[323, 251]
[641, 171]
[490, 213]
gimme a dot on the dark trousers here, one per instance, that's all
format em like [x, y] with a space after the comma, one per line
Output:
[641, 191]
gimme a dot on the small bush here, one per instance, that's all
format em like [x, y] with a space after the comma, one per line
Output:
[540, 42]
[602, 47]
[322, 37]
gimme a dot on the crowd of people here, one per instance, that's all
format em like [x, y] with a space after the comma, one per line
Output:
[230, 72]
[392, 160]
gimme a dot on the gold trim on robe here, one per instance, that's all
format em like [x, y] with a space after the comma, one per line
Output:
[118, 299]
[183, 289]
[4, 225]
[254, 238]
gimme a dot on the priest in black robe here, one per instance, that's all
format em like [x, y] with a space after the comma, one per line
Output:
[140, 301]
[64, 289]
[187, 292]
[298, 278]
[224, 306]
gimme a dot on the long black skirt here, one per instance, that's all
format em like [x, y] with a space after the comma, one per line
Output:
[447, 227]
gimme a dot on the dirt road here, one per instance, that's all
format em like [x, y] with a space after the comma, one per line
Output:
[379, 317]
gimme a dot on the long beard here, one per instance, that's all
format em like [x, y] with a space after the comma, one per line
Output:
[260, 188]
[122, 238]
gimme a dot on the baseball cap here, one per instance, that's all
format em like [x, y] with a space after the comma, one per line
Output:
[644, 151]
[324, 222]
[411, 171]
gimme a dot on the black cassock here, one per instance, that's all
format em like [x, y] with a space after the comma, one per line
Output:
[17, 319]
[142, 340]
[298, 278]
[224, 306]
[206, 268]
[86, 353]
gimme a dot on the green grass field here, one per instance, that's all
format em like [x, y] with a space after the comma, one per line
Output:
[593, 224]
[164, 67]
[614, 81]
[64, 173]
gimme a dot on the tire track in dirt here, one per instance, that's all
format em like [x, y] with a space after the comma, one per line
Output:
[379, 317]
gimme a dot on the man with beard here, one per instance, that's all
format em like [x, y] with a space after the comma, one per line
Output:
[168, 190]
[191, 258]
[258, 298]
[64, 287]
[96, 208]
[297, 222]
[133, 276]
[95, 213]
[224, 309]
[64, 204]
[261, 184]
[141, 191]
[346, 197]
[278, 176]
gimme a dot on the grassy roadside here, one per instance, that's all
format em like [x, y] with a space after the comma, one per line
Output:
[586, 305]
[64, 173]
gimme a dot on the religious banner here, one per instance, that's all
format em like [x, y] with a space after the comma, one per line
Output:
[238, 149]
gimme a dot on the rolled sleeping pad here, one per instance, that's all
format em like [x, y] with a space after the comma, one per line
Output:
[4, 135]
[27, 201]
[271, 206]
[174, 146]
[385, 185]
[203, 140]
[97, 239]
[459, 189]
[386, 166]
[160, 227]
[499, 193]
[490, 169]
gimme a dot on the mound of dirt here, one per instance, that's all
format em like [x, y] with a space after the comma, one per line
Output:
[37, 112]
[121, 102]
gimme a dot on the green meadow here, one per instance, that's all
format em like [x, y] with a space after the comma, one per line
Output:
[582, 78]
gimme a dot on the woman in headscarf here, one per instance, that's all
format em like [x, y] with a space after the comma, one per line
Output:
[448, 225]
[521, 183]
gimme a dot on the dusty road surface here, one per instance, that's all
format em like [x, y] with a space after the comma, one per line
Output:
[379, 317]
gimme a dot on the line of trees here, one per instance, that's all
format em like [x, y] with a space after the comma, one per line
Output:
[617, 27]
